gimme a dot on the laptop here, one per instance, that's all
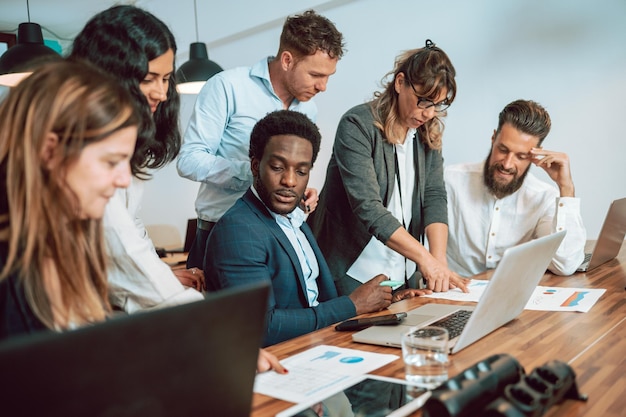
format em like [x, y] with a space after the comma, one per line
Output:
[610, 239]
[189, 360]
[507, 292]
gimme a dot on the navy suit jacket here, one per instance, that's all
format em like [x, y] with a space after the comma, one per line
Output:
[247, 245]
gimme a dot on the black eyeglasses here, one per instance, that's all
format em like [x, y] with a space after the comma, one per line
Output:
[424, 103]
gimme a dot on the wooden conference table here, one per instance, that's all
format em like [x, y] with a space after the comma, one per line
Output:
[593, 344]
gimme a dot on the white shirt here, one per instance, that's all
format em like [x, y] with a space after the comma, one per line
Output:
[376, 257]
[138, 279]
[481, 226]
[290, 225]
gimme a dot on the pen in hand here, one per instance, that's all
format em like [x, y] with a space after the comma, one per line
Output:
[390, 283]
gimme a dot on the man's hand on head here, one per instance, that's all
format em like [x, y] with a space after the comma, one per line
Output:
[556, 165]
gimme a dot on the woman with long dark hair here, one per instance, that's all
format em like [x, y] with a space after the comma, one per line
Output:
[138, 49]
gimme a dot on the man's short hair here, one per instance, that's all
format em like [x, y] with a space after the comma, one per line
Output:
[283, 122]
[526, 116]
[310, 32]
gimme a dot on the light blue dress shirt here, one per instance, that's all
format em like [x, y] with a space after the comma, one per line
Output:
[217, 139]
[290, 225]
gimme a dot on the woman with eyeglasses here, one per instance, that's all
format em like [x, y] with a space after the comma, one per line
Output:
[384, 189]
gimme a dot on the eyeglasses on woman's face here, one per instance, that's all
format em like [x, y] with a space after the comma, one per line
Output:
[424, 103]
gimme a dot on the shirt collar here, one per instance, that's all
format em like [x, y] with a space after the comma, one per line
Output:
[262, 70]
[296, 217]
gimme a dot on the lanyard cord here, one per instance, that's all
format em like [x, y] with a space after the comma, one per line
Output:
[416, 168]
[397, 175]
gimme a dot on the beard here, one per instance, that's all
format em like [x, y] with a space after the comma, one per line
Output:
[501, 190]
[266, 198]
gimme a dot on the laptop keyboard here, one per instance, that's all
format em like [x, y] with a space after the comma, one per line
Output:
[587, 257]
[454, 323]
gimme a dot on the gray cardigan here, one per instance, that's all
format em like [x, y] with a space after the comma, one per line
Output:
[359, 182]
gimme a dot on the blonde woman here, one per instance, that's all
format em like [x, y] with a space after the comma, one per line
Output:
[67, 133]
[384, 191]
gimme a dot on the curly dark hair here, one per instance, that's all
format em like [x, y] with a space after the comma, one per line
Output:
[310, 32]
[122, 40]
[283, 122]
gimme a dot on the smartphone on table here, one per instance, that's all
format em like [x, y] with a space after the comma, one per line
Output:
[360, 324]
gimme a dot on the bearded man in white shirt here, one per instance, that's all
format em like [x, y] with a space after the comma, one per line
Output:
[497, 204]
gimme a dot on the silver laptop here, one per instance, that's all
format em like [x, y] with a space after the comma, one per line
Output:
[610, 239]
[507, 292]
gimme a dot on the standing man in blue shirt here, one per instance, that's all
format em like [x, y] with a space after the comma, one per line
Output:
[215, 147]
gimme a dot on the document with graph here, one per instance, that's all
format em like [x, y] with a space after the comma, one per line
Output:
[564, 299]
[543, 298]
[318, 371]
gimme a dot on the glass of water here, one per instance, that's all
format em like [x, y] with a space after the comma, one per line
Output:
[425, 355]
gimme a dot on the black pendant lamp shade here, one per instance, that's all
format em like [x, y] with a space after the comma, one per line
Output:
[28, 52]
[199, 67]
[193, 74]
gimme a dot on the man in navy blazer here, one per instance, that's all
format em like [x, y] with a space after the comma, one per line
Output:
[263, 237]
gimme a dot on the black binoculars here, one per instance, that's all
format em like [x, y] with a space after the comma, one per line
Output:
[499, 387]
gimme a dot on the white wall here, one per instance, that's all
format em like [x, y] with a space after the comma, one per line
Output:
[569, 56]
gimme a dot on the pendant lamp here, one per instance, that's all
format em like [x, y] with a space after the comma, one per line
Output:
[29, 51]
[191, 76]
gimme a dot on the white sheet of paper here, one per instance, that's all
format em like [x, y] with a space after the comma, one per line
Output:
[476, 288]
[543, 298]
[318, 371]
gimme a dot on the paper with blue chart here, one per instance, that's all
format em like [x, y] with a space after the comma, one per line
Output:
[543, 298]
[319, 371]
